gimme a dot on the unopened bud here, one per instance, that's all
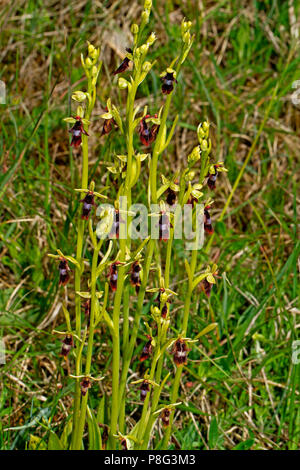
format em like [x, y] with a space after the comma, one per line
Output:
[79, 96]
[205, 126]
[91, 49]
[94, 55]
[88, 62]
[148, 4]
[186, 37]
[204, 145]
[122, 83]
[195, 155]
[144, 49]
[134, 28]
[147, 67]
[145, 16]
[151, 39]
[94, 71]
[155, 311]
[202, 131]
[185, 26]
[191, 175]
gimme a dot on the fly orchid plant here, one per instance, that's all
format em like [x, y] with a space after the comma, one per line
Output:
[118, 275]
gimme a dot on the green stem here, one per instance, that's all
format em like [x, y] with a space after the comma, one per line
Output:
[79, 433]
[121, 274]
[143, 420]
[156, 394]
[116, 352]
[135, 327]
[125, 348]
[78, 272]
[159, 142]
[186, 313]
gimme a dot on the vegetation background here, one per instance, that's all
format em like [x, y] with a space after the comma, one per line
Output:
[240, 389]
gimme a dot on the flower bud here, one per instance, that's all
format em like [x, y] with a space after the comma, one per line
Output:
[204, 145]
[156, 312]
[203, 131]
[186, 37]
[94, 71]
[122, 83]
[145, 16]
[79, 96]
[88, 62]
[104, 226]
[91, 49]
[195, 155]
[205, 126]
[147, 67]
[200, 132]
[151, 39]
[190, 176]
[144, 49]
[148, 4]
[134, 28]
[94, 55]
[185, 26]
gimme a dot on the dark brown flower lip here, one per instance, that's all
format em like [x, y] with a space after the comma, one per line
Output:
[180, 351]
[85, 384]
[64, 270]
[77, 130]
[168, 83]
[88, 202]
[147, 349]
[67, 345]
[124, 64]
[148, 134]
[135, 279]
[113, 275]
[144, 389]
[207, 221]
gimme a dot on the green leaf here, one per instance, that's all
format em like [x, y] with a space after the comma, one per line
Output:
[101, 411]
[213, 433]
[95, 441]
[109, 322]
[207, 329]
[245, 445]
[67, 317]
[66, 434]
[54, 442]
[199, 279]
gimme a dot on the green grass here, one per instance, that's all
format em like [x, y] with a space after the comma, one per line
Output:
[241, 389]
